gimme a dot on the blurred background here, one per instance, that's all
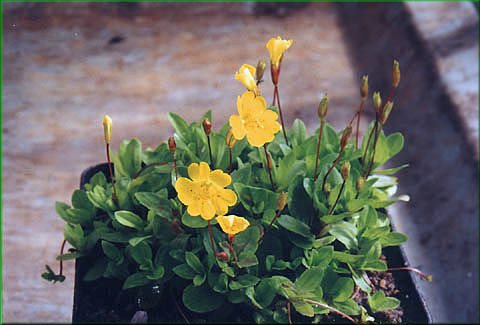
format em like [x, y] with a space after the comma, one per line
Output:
[66, 65]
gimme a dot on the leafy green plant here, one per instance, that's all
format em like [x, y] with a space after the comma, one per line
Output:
[306, 225]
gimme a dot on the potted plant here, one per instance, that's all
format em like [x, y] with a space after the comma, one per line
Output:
[254, 222]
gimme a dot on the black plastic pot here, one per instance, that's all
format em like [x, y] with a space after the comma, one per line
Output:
[107, 294]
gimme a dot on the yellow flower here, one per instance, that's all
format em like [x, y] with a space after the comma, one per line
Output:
[232, 225]
[107, 129]
[246, 75]
[255, 121]
[204, 194]
[276, 47]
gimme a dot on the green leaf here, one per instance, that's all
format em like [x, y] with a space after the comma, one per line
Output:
[201, 299]
[299, 203]
[264, 293]
[247, 241]
[97, 179]
[129, 219]
[136, 280]
[137, 240]
[378, 302]
[182, 129]
[346, 233]
[246, 259]
[220, 282]
[80, 201]
[298, 132]
[321, 257]
[256, 199]
[128, 160]
[244, 281]
[361, 280]
[199, 279]
[142, 254]
[184, 271]
[310, 279]
[153, 201]
[303, 308]
[348, 306]
[294, 225]
[393, 239]
[377, 265]
[342, 289]
[157, 273]
[288, 169]
[193, 222]
[111, 251]
[193, 261]
[347, 258]
[74, 235]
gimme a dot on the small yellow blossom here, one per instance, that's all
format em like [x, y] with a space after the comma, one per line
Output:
[277, 46]
[254, 121]
[204, 193]
[232, 225]
[246, 75]
[107, 129]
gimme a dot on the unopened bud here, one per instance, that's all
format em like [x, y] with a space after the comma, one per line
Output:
[360, 183]
[386, 112]
[107, 129]
[172, 146]
[222, 256]
[323, 107]
[345, 170]
[364, 87]
[282, 201]
[395, 74]
[230, 139]
[261, 65]
[377, 102]
[347, 132]
[207, 126]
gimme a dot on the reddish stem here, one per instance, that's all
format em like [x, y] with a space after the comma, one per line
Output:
[359, 115]
[230, 164]
[289, 312]
[230, 241]
[281, 115]
[175, 165]
[210, 233]
[335, 163]
[424, 276]
[322, 122]
[110, 169]
[332, 209]
[330, 308]
[61, 260]
[268, 166]
[210, 151]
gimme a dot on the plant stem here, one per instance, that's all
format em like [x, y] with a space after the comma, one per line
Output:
[424, 276]
[320, 132]
[210, 234]
[274, 96]
[338, 197]
[61, 260]
[210, 151]
[112, 178]
[369, 139]
[289, 312]
[275, 218]
[330, 308]
[160, 163]
[377, 133]
[230, 241]
[281, 115]
[359, 115]
[268, 163]
[179, 309]
[175, 164]
[335, 163]
[230, 157]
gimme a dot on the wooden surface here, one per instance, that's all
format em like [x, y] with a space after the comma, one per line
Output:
[61, 75]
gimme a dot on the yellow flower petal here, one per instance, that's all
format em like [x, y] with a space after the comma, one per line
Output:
[246, 75]
[204, 171]
[228, 196]
[220, 178]
[277, 46]
[208, 210]
[194, 209]
[237, 127]
[185, 189]
[232, 224]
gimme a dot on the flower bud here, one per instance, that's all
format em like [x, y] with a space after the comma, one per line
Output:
[347, 132]
[107, 129]
[207, 126]
[172, 146]
[261, 65]
[377, 102]
[222, 256]
[395, 74]
[230, 139]
[323, 107]
[364, 87]
[282, 201]
[360, 183]
[345, 170]
[386, 112]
